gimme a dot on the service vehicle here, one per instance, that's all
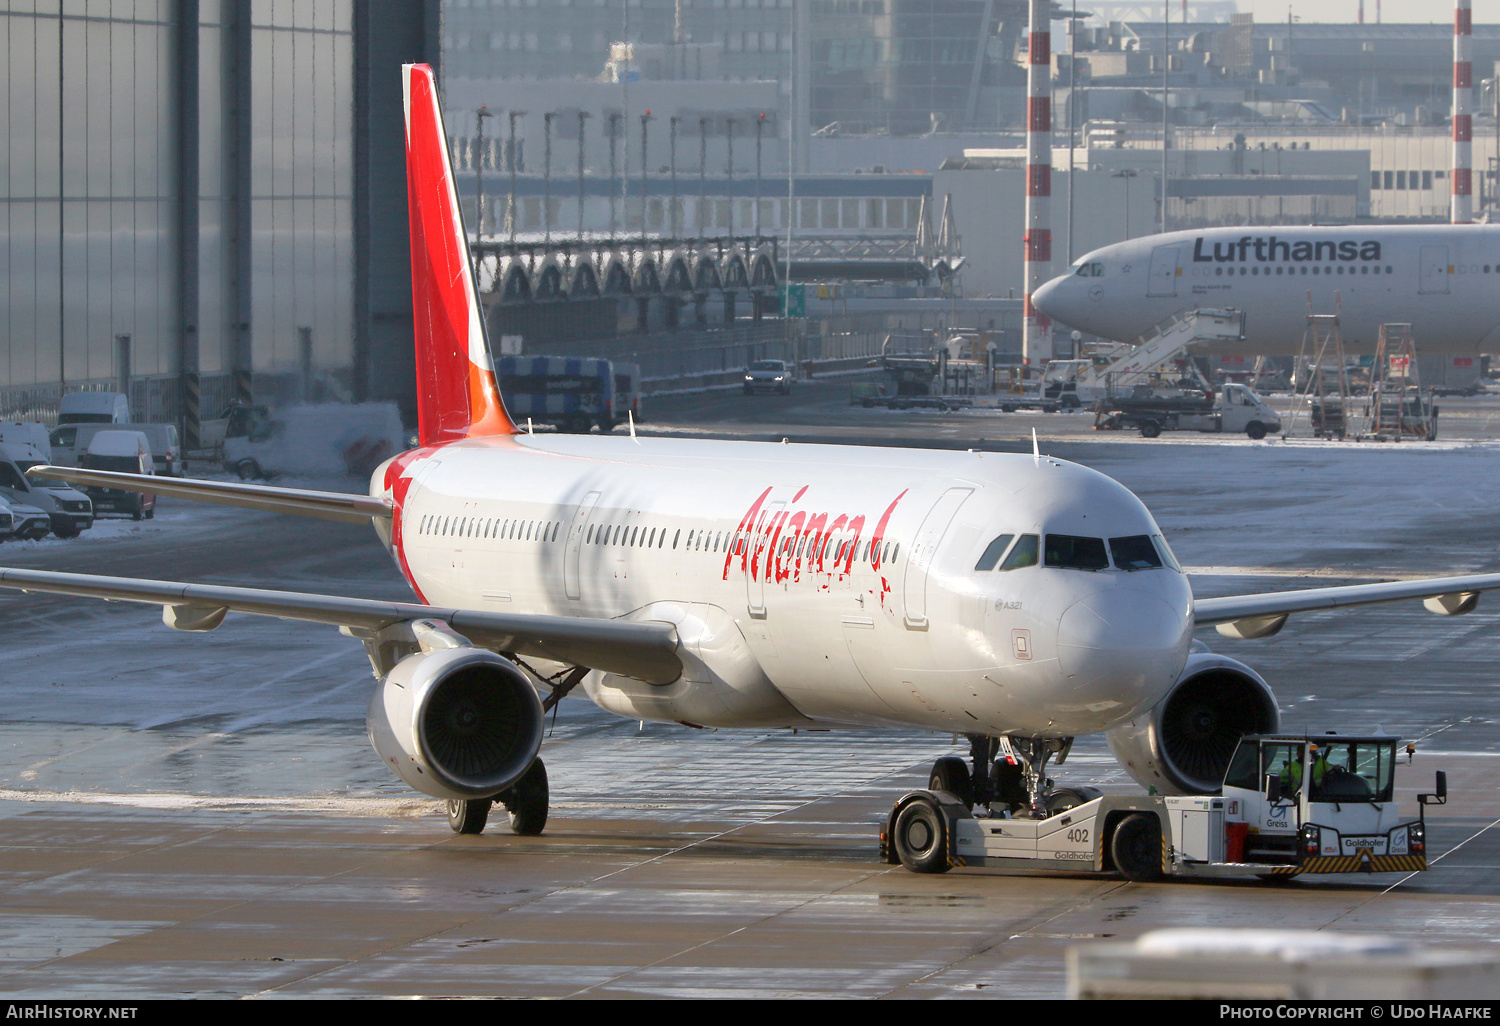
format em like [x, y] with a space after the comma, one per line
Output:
[1234, 410]
[628, 389]
[569, 393]
[21, 522]
[29, 434]
[127, 452]
[769, 376]
[93, 408]
[70, 441]
[238, 420]
[1289, 804]
[69, 511]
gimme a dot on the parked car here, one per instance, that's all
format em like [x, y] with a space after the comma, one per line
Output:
[26, 433]
[94, 408]
[69, 511]
[22, 522]
[126, 452]
[69, 442]
[769, 375]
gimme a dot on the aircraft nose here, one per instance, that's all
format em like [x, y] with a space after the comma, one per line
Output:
[1122, 646]
[1047, 299]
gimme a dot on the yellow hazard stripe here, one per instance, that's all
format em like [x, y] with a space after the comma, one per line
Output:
[1357, 863]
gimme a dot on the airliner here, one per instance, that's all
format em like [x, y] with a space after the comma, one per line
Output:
[1443, 280]
[1017, 599]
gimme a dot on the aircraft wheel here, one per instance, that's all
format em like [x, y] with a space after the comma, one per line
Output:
[921, 838]
[1150, 429]
[1136, 847]
[468, 817]
[526, 800]
[951, 774]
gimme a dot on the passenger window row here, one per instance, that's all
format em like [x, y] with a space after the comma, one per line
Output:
[1073, 552]
[489, 527]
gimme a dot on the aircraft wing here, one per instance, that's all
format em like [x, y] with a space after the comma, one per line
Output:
[1260, 616]
[646, 650]
[345, 506]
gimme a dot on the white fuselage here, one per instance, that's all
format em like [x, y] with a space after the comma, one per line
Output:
[808, 583]
[1443, 280]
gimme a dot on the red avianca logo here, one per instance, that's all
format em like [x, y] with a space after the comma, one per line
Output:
[774, 544]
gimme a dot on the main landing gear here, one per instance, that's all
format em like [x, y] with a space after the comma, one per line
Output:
[527, 799]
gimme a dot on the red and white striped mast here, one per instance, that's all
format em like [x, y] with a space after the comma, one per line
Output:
[1463, 113]
[1035, 341]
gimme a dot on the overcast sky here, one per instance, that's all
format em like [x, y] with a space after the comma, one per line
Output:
[1487, 11]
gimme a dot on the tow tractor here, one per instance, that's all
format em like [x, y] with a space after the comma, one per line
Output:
[1290, 804]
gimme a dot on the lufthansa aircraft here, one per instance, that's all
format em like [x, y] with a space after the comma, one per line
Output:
[1016, 599]
[1443, 280]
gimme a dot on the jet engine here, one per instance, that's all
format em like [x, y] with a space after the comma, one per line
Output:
[1184, 743]
[456, 723]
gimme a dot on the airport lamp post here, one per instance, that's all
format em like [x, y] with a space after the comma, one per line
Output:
[1127, 174]
[479, 116]
[513, 157]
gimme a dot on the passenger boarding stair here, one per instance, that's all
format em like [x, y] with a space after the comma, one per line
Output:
[1165, 343]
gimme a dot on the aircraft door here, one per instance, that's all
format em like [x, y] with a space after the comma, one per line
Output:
[575, 544]
[923, 548]
[1162, 281]
[757, 556]
[1434, 278]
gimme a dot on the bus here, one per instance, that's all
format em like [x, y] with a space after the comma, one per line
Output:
[569, 393]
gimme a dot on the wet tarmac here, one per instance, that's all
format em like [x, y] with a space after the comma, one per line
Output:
[187, 815]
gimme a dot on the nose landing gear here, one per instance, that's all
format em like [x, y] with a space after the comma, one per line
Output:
[1009, 772]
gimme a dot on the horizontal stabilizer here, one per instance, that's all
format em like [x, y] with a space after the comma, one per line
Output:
[1272, 605]
[346, 506]
[643, 650]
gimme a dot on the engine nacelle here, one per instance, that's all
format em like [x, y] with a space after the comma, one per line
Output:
[456, 723]
[1184, 743]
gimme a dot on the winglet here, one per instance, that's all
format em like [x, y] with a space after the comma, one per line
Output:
[457, 395]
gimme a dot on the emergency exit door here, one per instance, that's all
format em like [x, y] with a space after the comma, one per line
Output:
[1162, 280]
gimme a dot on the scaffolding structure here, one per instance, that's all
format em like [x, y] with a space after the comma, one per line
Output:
[1326, 402]
[1397, 407]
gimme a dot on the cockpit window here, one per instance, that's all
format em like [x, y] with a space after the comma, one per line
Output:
[993, 552]
[1023, 554]
[1074, 553]
[1166, 552]
[1090, 270]
[1134, 553]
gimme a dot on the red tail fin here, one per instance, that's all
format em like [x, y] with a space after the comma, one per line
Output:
[457, 396]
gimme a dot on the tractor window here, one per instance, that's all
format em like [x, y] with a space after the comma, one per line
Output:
[1353, 771]
[992, 552]
[1285, 761]
[1243, 766]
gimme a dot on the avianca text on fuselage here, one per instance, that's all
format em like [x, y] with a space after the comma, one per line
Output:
[1273, 250]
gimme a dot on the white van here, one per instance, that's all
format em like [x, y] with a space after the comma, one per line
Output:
[127, 452]
[94, 408]
[69, 442]
[70, 510]
[26, 433]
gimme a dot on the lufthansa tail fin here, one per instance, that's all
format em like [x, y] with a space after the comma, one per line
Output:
[457, 395]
